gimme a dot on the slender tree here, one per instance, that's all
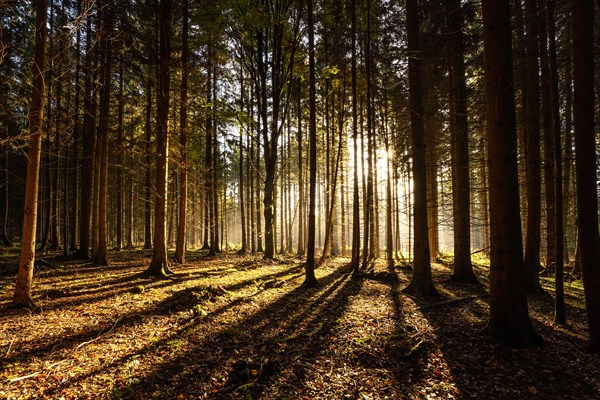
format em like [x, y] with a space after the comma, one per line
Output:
[158, 266]
[355, 261]
[309, 268]
[103, 124]
[533, 158]
[459, 143]
[88, 146]
[183, 127]
[22, 296]
[559, 303]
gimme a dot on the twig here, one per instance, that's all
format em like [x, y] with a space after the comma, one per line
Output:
[20, 378]
[447, 302]
[9, 347]
[24, 377]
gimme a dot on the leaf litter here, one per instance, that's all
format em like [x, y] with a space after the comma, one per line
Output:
[239, 327]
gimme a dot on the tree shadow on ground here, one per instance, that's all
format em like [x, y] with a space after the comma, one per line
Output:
[246, 357]
[181, 300]
[479, 365]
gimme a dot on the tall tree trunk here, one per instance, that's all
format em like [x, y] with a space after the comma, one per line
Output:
[183, 190]
[158, 265]
[88, 147]
[299, 139]
[568, 145]
[355, 261]
[75, 159]
[509, 320]
[309, 268]
[369, 204]
[422, 282]
[104, 115]
[208, 161]
[241, 167]
[548, 140]
[459, 143]
[559, 303]
[22, 295]
[585, 163]
[148, 162]
[121, 155]
[533, 159]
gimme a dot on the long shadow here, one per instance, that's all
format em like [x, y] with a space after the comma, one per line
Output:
[178, 301]
[479, 365]
[260, 336]
[128, 287]
[405, 354]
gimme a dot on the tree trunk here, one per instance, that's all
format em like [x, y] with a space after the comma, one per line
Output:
[309, 268]
[422, 282]
[533, 159]
[299, 139]
[148, 175]
[241, 168]
[355, 261]
[22, 296]
[105, 56]
[585, 163]
[183, 126]
[459, 143]
[158, 265]
[88, 148]
[559, 303]
[548, 140]
[509, 320]
[121, 155]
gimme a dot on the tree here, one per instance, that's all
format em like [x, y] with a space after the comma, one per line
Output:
[422, 282]
[182, 209]
[309, 267]
[509, 320]
[459, 142]
[158, 265]
[355, 260]
[104, 115]
[532, 87]
[22, 296]
[559, 303]
[585, 163]
[88, 146]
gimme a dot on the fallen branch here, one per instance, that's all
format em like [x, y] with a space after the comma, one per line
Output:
[453, 301]
[21, 378]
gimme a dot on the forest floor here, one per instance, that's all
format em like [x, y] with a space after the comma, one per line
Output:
[244, 328]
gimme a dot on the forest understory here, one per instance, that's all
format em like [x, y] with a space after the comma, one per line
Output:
[241, 327]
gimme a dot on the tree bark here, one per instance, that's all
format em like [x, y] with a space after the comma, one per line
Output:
[183, 127]
[585, 163]
[22, 295]
[533, 158]
[355, 260]
[309, 268]
[459, 143]
[158, 265]
[104, 115]
[509, 321]
[422, 282]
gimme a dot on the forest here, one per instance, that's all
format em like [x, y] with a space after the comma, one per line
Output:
[299, 199]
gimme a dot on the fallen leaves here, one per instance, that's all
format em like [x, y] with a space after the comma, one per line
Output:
[240, 327]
